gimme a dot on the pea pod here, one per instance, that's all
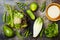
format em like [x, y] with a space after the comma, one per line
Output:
[30, 13]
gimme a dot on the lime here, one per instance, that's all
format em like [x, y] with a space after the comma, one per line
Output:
[33, 6]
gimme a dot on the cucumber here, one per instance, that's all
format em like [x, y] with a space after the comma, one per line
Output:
[30, 13]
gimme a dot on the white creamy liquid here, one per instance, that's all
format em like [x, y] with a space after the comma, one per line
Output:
[53, 11]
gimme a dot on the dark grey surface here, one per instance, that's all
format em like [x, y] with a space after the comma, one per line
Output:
[12, 2]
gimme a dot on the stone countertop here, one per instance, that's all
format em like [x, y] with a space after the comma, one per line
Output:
[2, 2]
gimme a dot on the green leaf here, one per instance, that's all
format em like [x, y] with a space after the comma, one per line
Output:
[37, 26]
[18, 14]
[52, 30]
[17, 26]
[10, 11]
[21, 5]
[43, 6]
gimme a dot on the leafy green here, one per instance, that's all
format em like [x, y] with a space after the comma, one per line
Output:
[52, 30]
[18, 14]
[9, 19]
[17, 26]
[43, 6]
[37, 26]
[10, 12]
[21, 5]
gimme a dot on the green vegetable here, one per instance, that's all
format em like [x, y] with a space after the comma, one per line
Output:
[41, 33]
[11, 14]
[4, 17]
[43, 6]
[30, 13]
[8, 20]
[17, 26]
[21, 5]
[8, 31]
[51, 30]
[27, 33]
[24, 25]
[37, 26]
[10, 11]
[33, 6]
[19, 35]
[18, 14]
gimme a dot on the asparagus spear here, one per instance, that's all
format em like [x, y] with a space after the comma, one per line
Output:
[19, 35]
[43, 6]
[4, 17]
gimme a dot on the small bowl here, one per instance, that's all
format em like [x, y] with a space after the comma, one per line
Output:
[52, 19]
